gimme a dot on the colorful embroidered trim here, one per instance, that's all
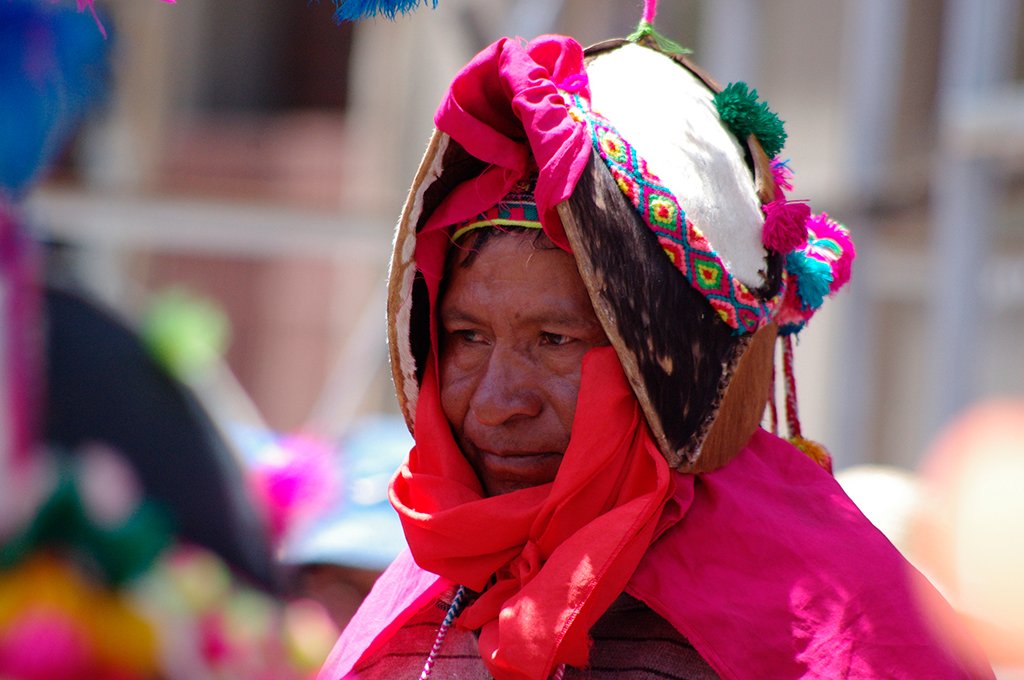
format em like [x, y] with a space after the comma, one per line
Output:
[685, 245]
[517, 209]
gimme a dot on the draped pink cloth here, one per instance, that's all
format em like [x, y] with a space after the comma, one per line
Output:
[769, 570]
[772, 571]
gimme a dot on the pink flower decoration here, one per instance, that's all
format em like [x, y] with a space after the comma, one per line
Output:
[785, 225]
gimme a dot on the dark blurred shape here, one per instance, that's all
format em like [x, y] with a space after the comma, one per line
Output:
[103, 387]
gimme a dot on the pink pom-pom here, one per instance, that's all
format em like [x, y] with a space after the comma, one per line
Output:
[831, 242]
[783, 177]
[215, 642]
[785, 225]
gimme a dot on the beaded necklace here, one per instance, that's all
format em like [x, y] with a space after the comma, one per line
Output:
[453, 611]
[442, 632]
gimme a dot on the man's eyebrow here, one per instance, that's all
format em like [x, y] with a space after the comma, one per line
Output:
[560, 318]
[456, 314]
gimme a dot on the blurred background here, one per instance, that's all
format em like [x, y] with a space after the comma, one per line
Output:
[252, 157]
[258, 155]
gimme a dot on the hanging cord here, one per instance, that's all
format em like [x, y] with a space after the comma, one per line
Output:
[773, 408]
[453, 613]
[650, 10]
[813, 449]
[792, 416]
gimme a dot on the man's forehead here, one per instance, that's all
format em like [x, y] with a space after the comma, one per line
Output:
[466, 250]
[541, 281]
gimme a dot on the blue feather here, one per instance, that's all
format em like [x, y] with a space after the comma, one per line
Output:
[353, 10]
[813, 278]
[52, 69]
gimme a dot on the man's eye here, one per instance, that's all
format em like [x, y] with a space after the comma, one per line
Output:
[556, 339]
[468, 336]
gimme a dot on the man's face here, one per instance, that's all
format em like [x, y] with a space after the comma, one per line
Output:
[515, 324]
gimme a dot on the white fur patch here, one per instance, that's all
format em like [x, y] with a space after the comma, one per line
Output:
[403, 273]
[668, 115]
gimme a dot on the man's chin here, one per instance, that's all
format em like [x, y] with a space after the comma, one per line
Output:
[503, 486]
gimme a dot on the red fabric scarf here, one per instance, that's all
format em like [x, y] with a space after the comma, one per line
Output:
[560, 553]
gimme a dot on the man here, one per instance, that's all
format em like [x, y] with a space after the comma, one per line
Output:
[588, 279]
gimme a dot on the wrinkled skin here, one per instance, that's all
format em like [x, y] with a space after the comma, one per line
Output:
[515, 324]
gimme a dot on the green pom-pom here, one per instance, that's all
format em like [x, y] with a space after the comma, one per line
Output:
[813, 279]
[184, 332]
[739, 108]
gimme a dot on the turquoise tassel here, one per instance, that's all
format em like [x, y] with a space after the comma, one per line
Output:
[813, 279]
[739, 108]
[353, 10]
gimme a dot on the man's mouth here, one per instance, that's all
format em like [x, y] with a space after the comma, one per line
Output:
[518, 458]
[504, 470]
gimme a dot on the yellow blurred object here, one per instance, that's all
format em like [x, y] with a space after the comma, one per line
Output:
[117, 636]
[309, 633]
[123, 638]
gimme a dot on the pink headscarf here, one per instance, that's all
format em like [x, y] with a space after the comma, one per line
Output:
[504, 108]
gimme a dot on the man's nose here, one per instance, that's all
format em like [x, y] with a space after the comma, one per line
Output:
[507, 389]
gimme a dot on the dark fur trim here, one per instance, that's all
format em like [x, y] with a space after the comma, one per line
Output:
[672, 345]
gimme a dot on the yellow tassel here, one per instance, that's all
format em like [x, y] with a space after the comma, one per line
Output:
[815, 451]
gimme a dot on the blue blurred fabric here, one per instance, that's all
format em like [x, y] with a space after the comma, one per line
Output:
[53, 68]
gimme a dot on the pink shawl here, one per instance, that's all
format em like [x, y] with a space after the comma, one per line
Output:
[769, 570]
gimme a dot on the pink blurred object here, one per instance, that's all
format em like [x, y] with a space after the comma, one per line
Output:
[295, 478]
[969, 532]
[44, 645]
[19, 357]
[215, 641]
